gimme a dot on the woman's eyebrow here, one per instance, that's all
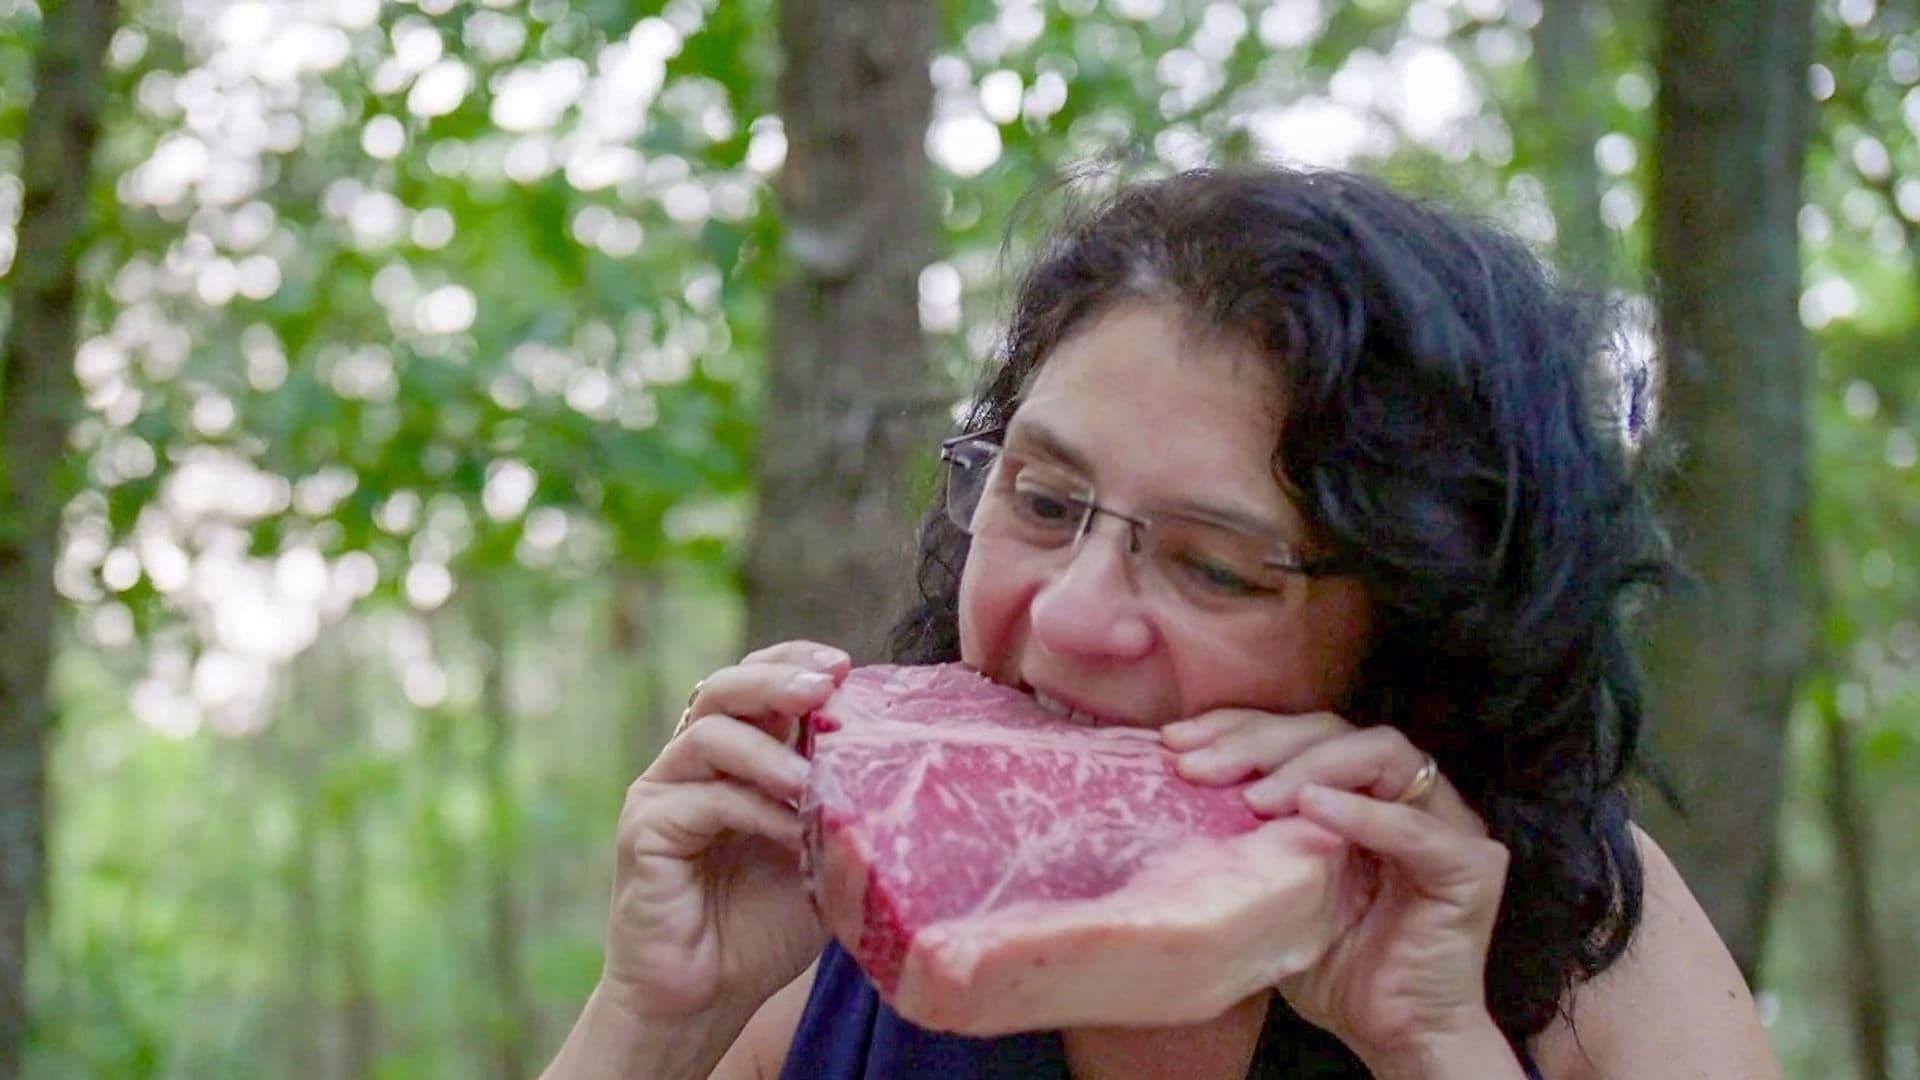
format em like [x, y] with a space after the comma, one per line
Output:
[1034, 435]
[1236, 517]
[1050, 443]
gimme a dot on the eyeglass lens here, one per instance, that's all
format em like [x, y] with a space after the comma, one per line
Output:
[994, 493]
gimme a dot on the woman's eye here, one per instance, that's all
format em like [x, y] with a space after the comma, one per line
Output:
[1043, 506]
[1217, 577]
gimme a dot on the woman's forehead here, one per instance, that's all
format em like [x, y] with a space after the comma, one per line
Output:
[1165, 330]
[1147, 363]
[1136, 398]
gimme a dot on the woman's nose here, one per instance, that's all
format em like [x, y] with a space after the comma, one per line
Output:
[1090, 606]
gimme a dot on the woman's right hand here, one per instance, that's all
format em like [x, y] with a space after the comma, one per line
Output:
[709, 906]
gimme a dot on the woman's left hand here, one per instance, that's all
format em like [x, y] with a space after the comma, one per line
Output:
[1405, 987]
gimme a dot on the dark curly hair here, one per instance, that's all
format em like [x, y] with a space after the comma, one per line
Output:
[1450, 428]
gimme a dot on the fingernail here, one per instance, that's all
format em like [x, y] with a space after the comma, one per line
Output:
[795, 839]
[831, 658]
[1199, 760]
[811, 682]
[797, 770]
[1323, 801]
[1267, 799]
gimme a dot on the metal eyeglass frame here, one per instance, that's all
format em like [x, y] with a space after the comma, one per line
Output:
[1284, 558]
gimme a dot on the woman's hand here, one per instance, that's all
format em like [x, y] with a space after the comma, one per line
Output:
[709, 906]
[1405, 988]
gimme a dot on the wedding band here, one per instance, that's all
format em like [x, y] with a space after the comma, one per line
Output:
[686, 714]
[1422, 782]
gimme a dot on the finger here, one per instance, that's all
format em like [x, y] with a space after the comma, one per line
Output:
[1439, 860]
[718, 747]
[1376, 761]
[1200, 730]
[801, 653]
[685, 821]
[761, 690]
[1259, 746]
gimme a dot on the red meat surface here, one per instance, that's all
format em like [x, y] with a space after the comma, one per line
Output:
[994, 868]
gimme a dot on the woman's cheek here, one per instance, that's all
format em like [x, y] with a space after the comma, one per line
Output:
[989, 608]
[970, 650]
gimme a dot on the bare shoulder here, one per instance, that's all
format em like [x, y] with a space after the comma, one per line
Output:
[1673, 1005]
[762, 1047]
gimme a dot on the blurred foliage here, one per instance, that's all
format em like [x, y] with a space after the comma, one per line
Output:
[395, 309]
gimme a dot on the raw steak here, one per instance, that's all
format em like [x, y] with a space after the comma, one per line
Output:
[996, 869]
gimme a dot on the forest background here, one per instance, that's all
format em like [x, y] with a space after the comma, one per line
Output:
[404, 403]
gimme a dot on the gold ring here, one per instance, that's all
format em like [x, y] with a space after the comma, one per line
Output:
[1421, 784]
[686, 714]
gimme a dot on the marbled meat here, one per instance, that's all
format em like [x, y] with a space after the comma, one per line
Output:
[994, 868]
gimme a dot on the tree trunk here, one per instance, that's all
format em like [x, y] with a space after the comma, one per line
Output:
[348, 720]
[447, 864]
[1566, 84]
[1853, 847]
[644, 718]
[512, 1014]
[38, 396]
[1725, 657]
[296, 733]
[361, 1006]
[847, 403]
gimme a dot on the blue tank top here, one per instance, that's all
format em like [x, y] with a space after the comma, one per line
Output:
[848, 1033]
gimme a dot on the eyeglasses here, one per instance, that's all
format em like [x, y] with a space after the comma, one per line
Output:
[992, 491]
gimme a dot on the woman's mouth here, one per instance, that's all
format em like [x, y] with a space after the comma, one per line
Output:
[1073, 713]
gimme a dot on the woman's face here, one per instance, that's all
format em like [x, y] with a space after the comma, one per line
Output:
[1154, 416]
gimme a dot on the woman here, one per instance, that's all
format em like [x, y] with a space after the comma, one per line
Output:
[1319, 482]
